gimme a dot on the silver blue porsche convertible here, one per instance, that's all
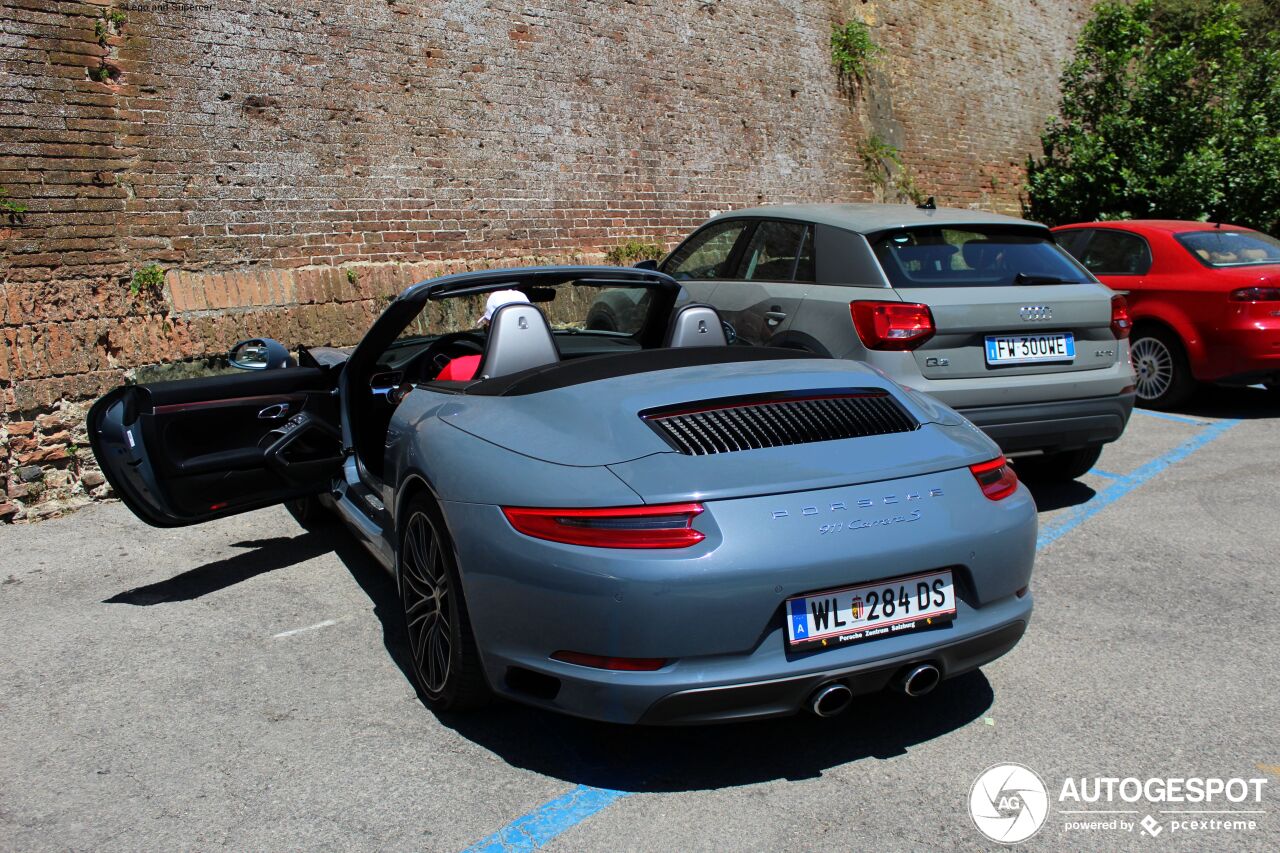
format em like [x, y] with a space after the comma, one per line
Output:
[648, 523]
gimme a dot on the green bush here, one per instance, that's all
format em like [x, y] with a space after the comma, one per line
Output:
[633, 251]
[1170, 109]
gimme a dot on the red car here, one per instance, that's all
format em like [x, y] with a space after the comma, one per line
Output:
[1204, 298]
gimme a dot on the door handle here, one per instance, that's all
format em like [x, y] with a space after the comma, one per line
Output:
[274, 412]
[775, 316]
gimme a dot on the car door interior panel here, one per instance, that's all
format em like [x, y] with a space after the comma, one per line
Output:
[196, 449]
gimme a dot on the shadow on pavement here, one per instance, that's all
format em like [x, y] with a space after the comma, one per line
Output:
[645, 759]
[1058, 495]
[691, 758]
[267, 555]
[1216, 401]
[610, 756]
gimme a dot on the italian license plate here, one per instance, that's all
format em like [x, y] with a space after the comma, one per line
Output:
[1022, 349]
[870, 611]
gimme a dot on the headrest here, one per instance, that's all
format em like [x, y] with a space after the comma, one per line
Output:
[696, 326]
[979, 254]
[519, 338]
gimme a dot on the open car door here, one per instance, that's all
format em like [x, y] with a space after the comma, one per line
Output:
[180, 453]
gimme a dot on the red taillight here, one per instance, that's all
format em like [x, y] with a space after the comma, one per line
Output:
[1256, 294]
[658, 526]
[892, 325]
[995, 478]
[1121, 324]
[616, 664]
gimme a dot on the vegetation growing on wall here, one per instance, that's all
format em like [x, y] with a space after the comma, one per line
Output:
[852, 50]
[14, 210]
[148, 279]
[1170, 109]
[893, 181]
[632, 252]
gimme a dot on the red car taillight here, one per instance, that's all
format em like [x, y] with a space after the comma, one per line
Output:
[995, 478]
[1121, 324]
[615, 664]
[658, 526]
[1256, 294]
[892, 325]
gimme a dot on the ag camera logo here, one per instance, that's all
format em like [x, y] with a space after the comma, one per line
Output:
[1008, 803]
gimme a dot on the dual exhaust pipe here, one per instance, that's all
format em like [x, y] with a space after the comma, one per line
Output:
[914, 680]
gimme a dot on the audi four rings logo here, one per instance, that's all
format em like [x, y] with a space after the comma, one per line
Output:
[1036, 312]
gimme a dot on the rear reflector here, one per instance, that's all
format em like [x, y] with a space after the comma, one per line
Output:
[616, 664]
[1121, 323]
[1256, 294]
[995, 478]
[657, 526]
[892, 325]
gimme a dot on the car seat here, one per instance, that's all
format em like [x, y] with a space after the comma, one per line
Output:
[519, 338]
[696, 326]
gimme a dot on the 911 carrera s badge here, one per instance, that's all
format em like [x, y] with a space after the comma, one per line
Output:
[860, 503]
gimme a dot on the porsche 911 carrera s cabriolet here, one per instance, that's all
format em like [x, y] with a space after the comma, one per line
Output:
[643, 524]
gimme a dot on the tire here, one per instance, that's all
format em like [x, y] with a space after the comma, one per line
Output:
[310, 514]
[1059, 467]
[1164, 375]
[444, 662]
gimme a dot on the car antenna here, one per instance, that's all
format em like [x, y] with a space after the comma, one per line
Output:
[928, 204]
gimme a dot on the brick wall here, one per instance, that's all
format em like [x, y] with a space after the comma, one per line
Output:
[292, 164]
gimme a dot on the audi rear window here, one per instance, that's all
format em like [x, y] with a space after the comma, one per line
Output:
[973, 256]
[1218, 248]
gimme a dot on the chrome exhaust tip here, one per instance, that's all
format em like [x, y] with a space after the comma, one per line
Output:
[830, 699]
[918, 680]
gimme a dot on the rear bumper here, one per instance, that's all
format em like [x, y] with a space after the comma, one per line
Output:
[1054, 426]
[787, 695]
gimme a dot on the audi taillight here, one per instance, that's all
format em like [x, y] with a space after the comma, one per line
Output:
[892, 325]
[1256, 294]
[1121, 323]
[995, 478]
[615, 664]
[657, 526]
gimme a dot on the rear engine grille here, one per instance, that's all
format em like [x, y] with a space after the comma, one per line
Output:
[775, 420]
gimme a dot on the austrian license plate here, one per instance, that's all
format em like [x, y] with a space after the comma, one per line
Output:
[1022, 349]
[870, 611]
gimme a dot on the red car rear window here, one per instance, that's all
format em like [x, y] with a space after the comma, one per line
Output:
[1219, 248]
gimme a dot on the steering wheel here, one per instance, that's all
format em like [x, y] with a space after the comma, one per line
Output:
[446, 347]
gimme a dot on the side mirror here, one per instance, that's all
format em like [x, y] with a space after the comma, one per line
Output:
[647, 265]
[260, 354]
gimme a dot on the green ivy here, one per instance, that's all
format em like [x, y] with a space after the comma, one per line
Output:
[149, 279]
[852, 49]
[352, 276]
[633, 251]
[1170, 109]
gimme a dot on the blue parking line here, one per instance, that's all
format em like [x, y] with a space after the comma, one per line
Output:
[1123, 485]
[537, 828]
[1110, 475]
[1165, 416]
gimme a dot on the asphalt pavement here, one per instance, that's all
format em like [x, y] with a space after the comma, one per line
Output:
[241, 685]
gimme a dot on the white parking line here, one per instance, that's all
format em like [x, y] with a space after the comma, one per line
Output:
[325, 624]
